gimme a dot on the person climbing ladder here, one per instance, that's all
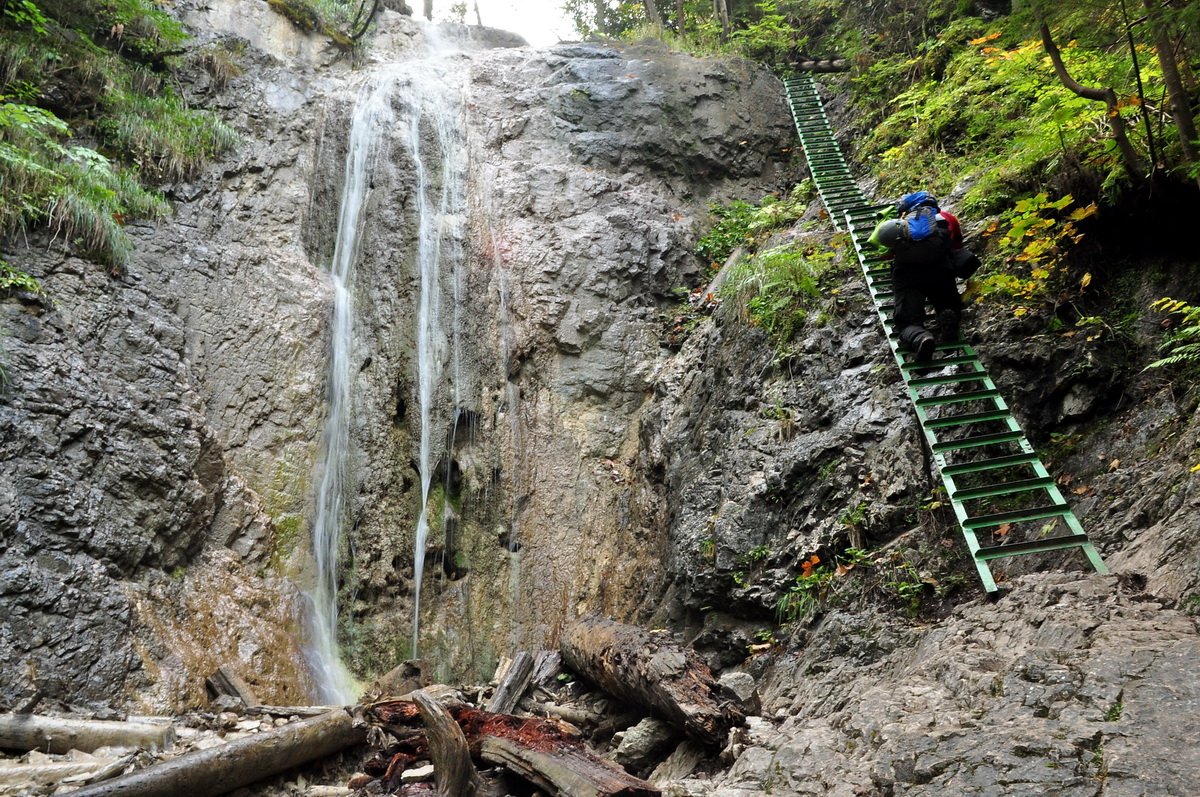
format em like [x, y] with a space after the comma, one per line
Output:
[926, 248]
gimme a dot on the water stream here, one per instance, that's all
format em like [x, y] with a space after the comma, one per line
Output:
[436, 103]
[372, 114]
[427, 96]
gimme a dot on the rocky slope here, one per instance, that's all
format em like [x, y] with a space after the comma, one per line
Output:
[160, 432]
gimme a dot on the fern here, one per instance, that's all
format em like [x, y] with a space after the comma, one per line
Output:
[1182, 345]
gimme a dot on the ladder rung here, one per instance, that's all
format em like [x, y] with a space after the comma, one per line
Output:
[975, 441]
[950, 379]
[942, 362]
[965, 418]
[957, 398]
[1032, 546]
[1002, 488]
[992, 463]
[1016, 516]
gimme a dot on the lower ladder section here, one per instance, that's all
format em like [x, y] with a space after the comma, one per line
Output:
[1003, 497]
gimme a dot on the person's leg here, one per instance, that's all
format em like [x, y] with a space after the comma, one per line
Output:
[947, 303]
[909, 313]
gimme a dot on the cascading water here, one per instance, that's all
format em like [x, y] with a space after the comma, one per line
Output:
[436, 104]
[429, 92]
[372, 114]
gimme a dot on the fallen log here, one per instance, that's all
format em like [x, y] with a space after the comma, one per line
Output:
[647, 668]
[219, 770]
[539, 750]
[45, 774]
[453, 771]
[564, 770]
[60, 734]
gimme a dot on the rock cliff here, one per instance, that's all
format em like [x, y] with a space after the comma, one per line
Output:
[160, 431]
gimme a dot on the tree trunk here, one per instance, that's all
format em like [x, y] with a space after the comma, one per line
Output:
[452, 767]
[721, 12]
[429, 10]
[60, 734]
[680, 26]
[1102, 94]
[220, 770]
[646, 668]
[564, 771]
[1181, 109]
[516, 681]
[539, 750]
[652, 15]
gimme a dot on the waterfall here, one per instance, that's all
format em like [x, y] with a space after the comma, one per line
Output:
[372, 113]
[436, 103]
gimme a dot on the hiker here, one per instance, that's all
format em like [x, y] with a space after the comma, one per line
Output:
[926, 248]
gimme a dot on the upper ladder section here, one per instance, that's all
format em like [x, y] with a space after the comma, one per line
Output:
[1005, 500]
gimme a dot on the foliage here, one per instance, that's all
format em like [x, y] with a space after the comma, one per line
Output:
[1034, 237]
[999, 116]
[86, 112]
[161, 135]
[343, 21]
[1182, 343]
[74, 190]
[747, 225]
[780, 287]
[12, 279]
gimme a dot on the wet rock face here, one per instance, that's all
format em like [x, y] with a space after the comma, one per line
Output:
[584, 206]
[108, 469]
[161, 428]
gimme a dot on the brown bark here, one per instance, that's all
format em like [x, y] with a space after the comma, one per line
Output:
[220, 770]
[539, 750]
[60, 734]
[647, 668]
[680, 22]
[1181, 109]
[565, 771]
[1100, 94]
[456, 776]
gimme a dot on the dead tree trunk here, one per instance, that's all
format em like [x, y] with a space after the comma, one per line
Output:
[647, 668]
[1102, 94]
[60, 734]
[220, 770]
[512, 687]
[448, 750]
[564, 771]
[539, 750]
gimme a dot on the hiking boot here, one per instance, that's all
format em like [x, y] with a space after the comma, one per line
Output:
[923, 345]
[948, 326]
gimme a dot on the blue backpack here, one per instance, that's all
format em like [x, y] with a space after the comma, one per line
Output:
[919, 211]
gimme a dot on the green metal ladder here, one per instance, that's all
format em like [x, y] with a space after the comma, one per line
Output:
[1005, 500]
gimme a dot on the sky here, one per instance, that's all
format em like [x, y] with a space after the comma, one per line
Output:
[540, 22]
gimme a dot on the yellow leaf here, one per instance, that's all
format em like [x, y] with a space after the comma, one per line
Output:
[1003, 530]
[1082, 213]
[1196, 467]
[1020, 311]
[1086, 281]
[1116, 463]
[991, 37]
